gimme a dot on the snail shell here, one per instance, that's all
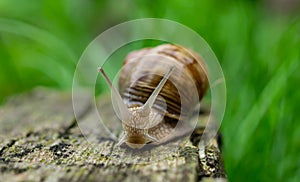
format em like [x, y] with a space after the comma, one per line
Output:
[136, 89]
[156, 86]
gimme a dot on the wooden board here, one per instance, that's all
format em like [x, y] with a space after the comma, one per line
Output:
[41, 141]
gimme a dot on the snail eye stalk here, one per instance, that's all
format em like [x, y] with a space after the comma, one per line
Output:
[147, 106]
[123, 110]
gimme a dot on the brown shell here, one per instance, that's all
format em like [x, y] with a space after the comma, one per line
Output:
[142, 72]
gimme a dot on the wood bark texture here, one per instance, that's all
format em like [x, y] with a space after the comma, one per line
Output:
[40, 141]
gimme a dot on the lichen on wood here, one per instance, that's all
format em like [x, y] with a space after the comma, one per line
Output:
[40, 141]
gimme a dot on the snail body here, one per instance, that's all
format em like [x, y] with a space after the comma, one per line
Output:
[158, 87]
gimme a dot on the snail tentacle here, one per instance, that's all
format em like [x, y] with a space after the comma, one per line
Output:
[147, 106]
[152, 138]
[122, 139]
[124, 112]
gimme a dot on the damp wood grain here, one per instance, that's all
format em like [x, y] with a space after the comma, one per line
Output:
[40, 141]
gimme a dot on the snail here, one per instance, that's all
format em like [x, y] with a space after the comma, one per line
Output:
[157, 88]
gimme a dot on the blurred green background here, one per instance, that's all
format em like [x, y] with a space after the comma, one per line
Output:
[256, 41]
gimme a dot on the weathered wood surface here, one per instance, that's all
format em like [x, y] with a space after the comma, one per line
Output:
[40, 141]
